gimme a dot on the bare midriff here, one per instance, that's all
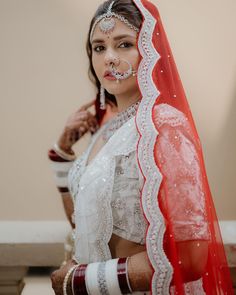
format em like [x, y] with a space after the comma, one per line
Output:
[120, 247]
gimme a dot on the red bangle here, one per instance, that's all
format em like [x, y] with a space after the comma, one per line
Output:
[78, 283]
[63, 189]
[53, 156]
[123, 276]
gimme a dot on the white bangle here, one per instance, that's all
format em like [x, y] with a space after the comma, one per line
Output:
[101, 278]
[91, 278]
[111, 277]
[67, 277]
[127, 275]
[63, 154]
[61, 170]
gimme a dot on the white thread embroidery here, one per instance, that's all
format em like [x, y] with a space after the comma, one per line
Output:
[93, 213]
[162, 268]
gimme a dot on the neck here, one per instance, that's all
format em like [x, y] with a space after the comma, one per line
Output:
[127, 99]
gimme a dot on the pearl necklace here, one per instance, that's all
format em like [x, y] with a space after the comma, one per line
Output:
[121, 118]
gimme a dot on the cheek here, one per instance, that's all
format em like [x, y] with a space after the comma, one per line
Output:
[135, 57]
[138, 58]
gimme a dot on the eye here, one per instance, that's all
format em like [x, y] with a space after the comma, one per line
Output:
[98, 48]
[125, 45]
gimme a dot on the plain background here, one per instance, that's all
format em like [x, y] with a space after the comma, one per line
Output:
[43, 78]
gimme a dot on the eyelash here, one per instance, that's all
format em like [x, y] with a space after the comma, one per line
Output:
[129, 45]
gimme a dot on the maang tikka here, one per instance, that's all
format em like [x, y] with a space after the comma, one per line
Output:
[107, 25]
[107, 22]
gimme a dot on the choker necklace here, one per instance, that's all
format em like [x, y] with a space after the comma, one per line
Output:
[121, 118]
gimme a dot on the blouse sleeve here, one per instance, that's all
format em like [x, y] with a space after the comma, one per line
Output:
[182, 192]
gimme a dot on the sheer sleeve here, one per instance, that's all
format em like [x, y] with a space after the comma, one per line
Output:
[182, 195]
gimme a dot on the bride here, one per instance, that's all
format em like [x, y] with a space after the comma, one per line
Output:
[138, 197]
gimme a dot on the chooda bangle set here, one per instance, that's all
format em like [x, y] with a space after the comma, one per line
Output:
[61, 162]
[101, 278]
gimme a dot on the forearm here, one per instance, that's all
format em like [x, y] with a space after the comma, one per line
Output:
[193, 257]
[61, 167]
[139, 272]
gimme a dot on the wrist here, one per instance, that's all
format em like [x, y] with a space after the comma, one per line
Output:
[65, 142]
[61, 165]
[67, 288]
[69, 284]
[63, 154]
[131, 275]
[65, 148]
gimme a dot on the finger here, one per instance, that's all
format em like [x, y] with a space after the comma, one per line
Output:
[83, 126]
[87, 105]
[81, 115]
[79, 123]
[74, 136]
[94, 125]
[92, 119]
[91, 115]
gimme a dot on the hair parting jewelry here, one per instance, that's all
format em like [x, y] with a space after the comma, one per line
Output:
[107, 23]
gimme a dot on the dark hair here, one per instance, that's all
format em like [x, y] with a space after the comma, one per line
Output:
[127, 9]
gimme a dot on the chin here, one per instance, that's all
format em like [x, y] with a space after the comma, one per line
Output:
[115, 88]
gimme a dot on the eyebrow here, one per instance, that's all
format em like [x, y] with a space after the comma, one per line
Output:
[115, 38]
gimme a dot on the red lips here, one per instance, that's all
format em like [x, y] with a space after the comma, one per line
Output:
[108, 75]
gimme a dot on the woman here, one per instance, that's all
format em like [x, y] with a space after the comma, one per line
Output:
[144, 217]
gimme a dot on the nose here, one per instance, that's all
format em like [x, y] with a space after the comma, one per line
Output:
[111, 59]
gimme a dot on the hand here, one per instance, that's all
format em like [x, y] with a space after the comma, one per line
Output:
[57, 277]
[76, 126]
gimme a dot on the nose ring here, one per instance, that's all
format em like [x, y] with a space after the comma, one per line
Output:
[115, 60]
[121, 76]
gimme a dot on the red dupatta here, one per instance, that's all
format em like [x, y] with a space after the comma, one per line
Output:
[183, 232]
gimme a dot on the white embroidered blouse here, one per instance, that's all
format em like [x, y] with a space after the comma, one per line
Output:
[106, 195]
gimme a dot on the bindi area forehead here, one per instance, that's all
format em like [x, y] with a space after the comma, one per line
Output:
[101, 39]
[120, 29]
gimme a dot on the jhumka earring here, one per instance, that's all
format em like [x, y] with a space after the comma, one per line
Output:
[102, 98]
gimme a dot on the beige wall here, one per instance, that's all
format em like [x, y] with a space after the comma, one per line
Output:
[43, 76]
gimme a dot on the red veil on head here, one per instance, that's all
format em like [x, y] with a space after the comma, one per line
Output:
[183, 239]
